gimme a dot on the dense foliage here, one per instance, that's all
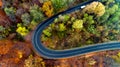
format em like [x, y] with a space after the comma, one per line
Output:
[97, 22]
[27, 14]
[18, 18]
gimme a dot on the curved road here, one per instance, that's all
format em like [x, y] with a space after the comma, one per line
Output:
[56, 54]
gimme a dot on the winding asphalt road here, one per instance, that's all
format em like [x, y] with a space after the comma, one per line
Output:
[56, 54]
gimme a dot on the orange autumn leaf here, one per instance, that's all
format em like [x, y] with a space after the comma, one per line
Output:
[1, 3]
